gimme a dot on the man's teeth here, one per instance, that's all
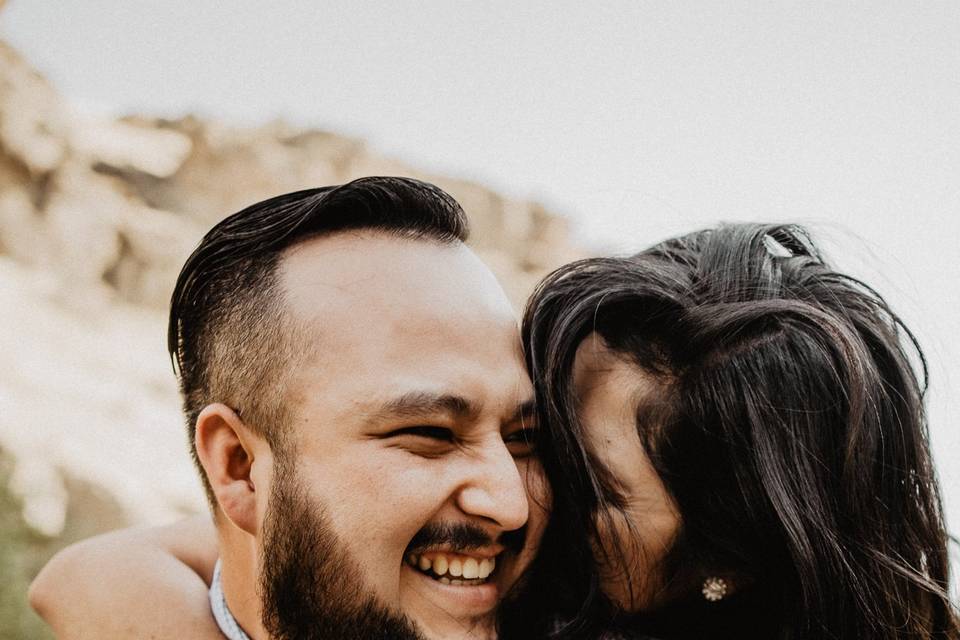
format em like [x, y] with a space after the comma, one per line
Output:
[453, 569]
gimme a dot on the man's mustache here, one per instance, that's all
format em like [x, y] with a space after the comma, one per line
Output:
[464, 536]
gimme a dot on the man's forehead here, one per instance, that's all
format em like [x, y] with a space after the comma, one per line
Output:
[388, 318]
[366, 267]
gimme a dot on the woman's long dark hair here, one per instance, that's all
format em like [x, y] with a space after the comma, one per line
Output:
[793, 439]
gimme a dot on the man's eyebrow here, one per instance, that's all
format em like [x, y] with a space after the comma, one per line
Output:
[424, 403]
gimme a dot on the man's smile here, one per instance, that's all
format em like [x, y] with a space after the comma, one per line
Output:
[469, 596]
[454, 568]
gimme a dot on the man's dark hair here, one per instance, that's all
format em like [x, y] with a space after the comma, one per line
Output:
[229, 335]
[789, 428]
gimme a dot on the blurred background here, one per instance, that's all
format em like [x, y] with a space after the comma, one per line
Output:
[564, 128]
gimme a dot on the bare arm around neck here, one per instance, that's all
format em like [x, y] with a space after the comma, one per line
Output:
[133, 583]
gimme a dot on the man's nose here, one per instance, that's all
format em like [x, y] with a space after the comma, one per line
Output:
[494, 489]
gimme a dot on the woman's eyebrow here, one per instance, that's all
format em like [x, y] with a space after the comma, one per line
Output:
[523, 412]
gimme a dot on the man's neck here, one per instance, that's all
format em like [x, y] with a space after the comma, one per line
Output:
[238, 566]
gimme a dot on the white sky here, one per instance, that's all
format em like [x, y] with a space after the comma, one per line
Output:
[637, 119]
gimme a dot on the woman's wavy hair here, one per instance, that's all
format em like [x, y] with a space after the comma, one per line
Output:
[791, 435]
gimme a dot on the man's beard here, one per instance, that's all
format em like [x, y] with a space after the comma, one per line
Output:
[310, 587]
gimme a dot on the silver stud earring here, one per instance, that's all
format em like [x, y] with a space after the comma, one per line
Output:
[715, 589]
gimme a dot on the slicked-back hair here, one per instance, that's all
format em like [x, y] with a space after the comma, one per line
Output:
[789, 429]
[229, 335]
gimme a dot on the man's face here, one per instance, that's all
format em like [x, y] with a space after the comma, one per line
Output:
[410, 425]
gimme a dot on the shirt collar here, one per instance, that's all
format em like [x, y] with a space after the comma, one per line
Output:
[221, 612]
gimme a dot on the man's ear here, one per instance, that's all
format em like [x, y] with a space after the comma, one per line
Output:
[225, 447]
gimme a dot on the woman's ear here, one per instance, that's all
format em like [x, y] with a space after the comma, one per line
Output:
[225, 448]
